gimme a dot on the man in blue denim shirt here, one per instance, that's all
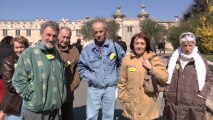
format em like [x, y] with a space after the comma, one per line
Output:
[99, 66]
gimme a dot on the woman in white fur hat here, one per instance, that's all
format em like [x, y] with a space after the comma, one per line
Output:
[189, 82]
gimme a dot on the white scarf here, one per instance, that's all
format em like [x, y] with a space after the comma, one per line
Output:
[199, 65]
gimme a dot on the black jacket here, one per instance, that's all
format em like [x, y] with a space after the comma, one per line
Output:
[123, 45]
[5, 50]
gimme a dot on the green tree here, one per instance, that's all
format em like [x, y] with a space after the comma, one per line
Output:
[197, 8]
[153, 29]
[199, 20]
[113, 28]
[174, 33]
[87, 31]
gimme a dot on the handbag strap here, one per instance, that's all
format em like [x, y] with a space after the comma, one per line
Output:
[153, 78]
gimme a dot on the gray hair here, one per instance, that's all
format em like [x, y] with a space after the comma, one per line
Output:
[100, 21]
[51, 24]
[66, 28]
[187, 36]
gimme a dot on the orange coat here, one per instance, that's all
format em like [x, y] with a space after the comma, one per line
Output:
[137, 104]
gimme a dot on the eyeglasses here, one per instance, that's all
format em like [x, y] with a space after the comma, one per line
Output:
[187, 34]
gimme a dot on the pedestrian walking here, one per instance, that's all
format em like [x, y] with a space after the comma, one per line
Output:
[121, 43]
[78, 45]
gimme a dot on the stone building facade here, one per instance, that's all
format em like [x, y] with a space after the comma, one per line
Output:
[31, 29]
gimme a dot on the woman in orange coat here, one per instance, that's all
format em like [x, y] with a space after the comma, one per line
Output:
[139, 105]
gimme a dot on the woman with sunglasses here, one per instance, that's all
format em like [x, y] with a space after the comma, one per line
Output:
[189, 82]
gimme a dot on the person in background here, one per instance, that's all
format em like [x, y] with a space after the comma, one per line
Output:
[70, 56]
[12, 102]
[139, 105]
[160, 47]
[5, 50]
[39, 76]
[153, 45]
[121, 43]
[190, 81]
[99, 66]
[78, 45]
[164, 46]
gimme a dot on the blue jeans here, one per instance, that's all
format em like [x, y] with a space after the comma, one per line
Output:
[14, 117]
[97, 98]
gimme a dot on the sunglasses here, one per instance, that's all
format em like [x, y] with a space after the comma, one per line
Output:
[187, 34]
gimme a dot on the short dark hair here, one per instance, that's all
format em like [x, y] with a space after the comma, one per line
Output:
[142, 36]
[79, 40]
[117, 37]
[66, 28]
[7, 40]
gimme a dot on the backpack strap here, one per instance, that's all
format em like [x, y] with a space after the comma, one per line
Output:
[116, 54]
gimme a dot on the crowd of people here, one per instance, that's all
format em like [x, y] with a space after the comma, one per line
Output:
[38, 82]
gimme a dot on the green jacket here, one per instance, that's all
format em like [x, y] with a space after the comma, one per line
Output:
[39, 80]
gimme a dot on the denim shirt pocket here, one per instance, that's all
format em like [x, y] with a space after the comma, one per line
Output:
[94, 62]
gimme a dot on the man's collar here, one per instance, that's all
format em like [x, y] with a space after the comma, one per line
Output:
[106, 44]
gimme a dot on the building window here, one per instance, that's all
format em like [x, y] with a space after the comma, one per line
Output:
[129, 28]
[4, 32]
[78, 33]
[17, 32]
[28, 32]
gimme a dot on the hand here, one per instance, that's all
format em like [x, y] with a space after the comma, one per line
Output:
[147, 64]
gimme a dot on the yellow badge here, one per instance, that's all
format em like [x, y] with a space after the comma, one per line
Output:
[15, 65]
[50, 56]
[112, 56]
[67, 63]
[177, 66]
[132, 69]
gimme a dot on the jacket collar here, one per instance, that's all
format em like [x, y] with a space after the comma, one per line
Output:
[145, 55]
[106, 44]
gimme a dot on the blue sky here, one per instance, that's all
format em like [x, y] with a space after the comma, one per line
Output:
[79, 9]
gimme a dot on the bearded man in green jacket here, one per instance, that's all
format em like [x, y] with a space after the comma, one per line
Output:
[39, 77]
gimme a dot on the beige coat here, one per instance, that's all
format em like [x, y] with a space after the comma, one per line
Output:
[137, 104]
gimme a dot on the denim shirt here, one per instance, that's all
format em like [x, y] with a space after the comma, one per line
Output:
[101, 69]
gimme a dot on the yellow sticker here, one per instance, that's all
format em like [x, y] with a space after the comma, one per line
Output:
[132, 69]
[177, 66]
[112, 56]
[67, 63]
[15, 65]
[50, 56]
